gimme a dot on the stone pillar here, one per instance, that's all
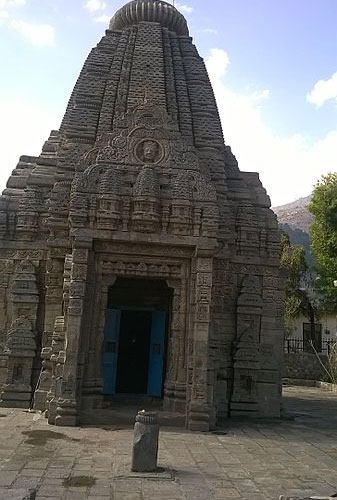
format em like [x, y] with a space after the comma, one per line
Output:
[67, 412]
[201, 412]
[95, 362]
[20, 347]
[92, 385]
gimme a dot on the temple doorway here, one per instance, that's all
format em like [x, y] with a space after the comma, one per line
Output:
[134, 352]
[135, 337]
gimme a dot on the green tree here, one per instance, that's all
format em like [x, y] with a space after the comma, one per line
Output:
[324, 236]
[298, 286]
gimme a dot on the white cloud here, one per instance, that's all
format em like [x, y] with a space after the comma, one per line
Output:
[290, 165]
[324, 90]
[4, 4]
[217, 64]
[184, 8]
[4, 15]
[102, 19]
[39, 35]
[95, 5]
[24, 127]
[211, 31]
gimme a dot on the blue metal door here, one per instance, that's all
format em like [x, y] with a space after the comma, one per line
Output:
[110, 354]
[156, 359]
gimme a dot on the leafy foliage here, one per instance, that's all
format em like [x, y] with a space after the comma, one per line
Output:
[324, 235]
[300, 298]
[293, 260]
[294, 263]
[299, 237]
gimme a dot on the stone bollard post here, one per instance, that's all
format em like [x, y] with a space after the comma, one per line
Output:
[145, 442]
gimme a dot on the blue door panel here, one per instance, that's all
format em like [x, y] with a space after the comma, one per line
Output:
[110, 354]
[156, 359]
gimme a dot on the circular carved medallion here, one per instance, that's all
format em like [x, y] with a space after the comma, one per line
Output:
[149, 151]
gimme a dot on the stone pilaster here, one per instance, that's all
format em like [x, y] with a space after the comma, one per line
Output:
[67, 412]
[201, 413]
[246, 350]
[58, 346]
[175, 382]
[54, 285]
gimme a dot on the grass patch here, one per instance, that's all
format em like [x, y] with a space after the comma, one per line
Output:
[79, 482]
[40, 438]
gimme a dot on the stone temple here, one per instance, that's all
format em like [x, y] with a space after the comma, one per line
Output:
[136, 260]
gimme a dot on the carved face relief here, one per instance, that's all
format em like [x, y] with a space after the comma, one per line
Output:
[149, 151]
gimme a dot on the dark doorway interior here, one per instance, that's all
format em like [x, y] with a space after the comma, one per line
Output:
[135, 337]
[133, 356]
[139, 293]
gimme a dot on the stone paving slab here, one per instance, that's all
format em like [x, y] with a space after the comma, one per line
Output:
[247, 461]
[17, 494]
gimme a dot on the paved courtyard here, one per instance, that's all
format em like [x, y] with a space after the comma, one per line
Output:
[248, 461]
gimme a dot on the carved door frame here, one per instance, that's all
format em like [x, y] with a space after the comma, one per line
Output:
[175, 273]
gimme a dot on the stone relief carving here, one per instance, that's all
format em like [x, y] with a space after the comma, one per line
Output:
[141, 269]
[146, 183]
[145, 134]
[20, 336]
[191, 185]
[149, 151]
[106, 190]
[183, 154]
[115, 152]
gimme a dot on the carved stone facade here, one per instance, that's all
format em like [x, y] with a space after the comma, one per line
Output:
[138, 185]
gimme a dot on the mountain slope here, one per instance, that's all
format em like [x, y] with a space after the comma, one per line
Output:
[295, 214]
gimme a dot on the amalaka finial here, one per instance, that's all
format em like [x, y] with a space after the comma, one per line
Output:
[154, 11]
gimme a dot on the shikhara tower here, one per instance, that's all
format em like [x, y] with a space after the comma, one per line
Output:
[135, 257]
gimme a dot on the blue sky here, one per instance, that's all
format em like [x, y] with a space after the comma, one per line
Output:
[272, 63]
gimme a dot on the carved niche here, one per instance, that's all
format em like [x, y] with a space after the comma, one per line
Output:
[31, 205]
[20, 338]
[24, 291]
[20, 351]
